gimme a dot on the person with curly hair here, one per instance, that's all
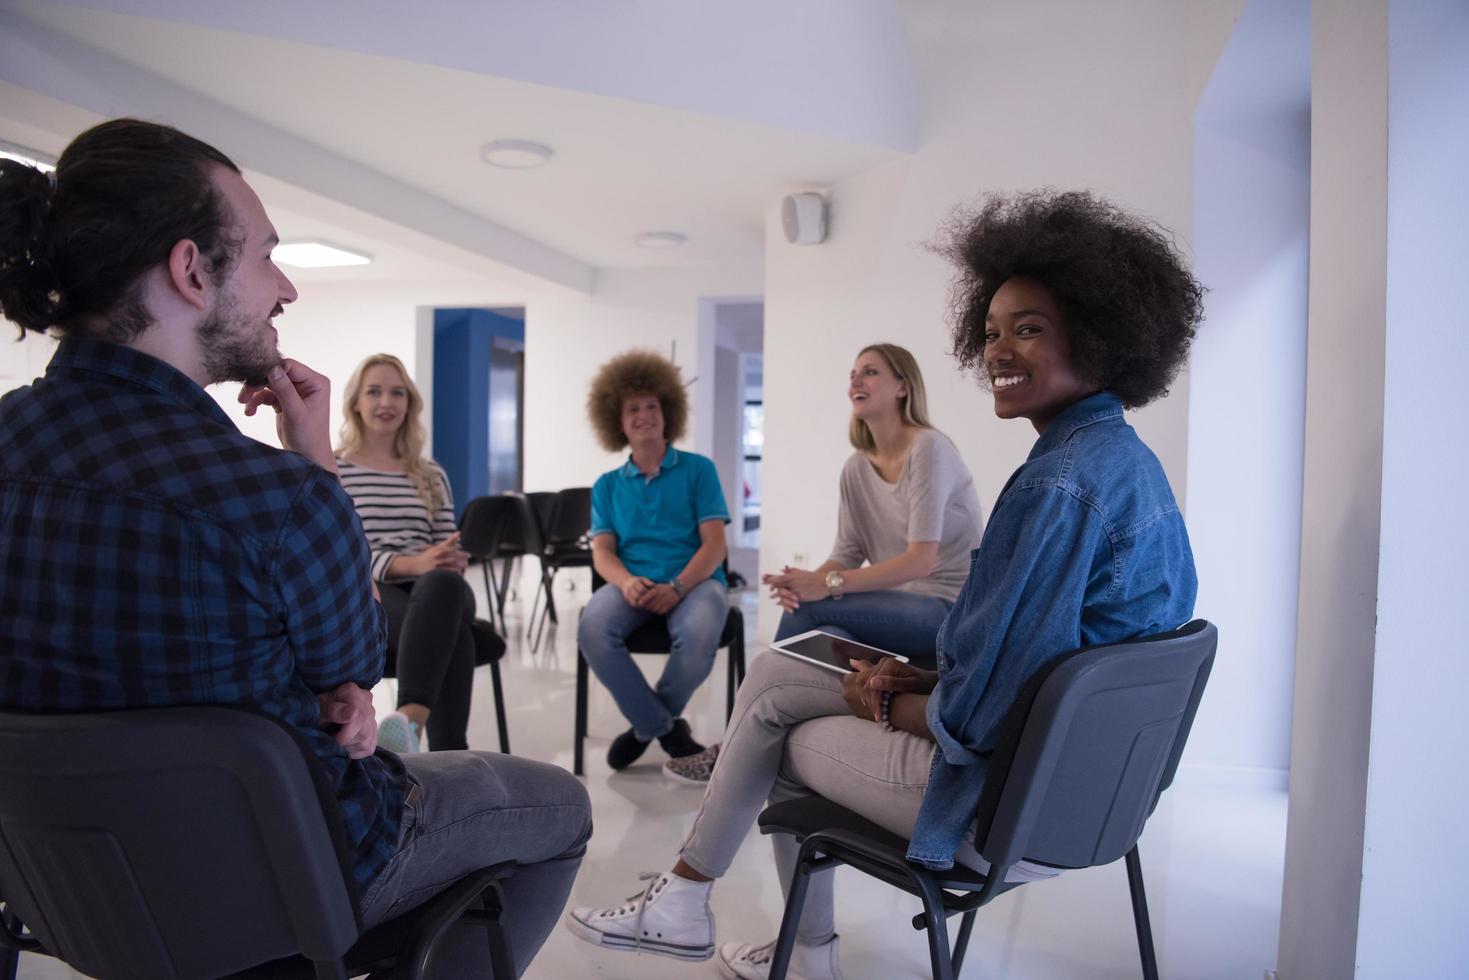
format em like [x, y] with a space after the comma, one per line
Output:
[658, 539]
[407, 512]
[1069, 309]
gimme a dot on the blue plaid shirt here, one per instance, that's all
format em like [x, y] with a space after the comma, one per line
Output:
[151, 555]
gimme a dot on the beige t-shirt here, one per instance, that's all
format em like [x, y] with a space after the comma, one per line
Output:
[933, 500]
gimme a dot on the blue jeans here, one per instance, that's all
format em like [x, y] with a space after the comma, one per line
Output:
[899, 622]
[694, 624]
[469, 810]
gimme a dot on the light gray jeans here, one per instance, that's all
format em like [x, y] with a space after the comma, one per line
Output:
[792, 735]
[469, 810]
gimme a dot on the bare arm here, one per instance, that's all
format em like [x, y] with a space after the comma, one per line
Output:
[606, 562]
[794, 585]
[709, 556]
[914, 563]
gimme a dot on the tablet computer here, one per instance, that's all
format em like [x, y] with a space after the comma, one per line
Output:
[830, 652]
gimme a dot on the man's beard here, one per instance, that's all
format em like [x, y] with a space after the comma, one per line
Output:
[234, 347]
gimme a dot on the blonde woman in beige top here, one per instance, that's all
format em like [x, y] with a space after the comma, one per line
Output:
[909, 517]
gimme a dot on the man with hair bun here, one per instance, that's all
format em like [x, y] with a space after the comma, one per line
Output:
[153, 555]
[658, 539]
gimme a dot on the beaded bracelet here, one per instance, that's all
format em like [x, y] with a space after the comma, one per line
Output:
[884, 712]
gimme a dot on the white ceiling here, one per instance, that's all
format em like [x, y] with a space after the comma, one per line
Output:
[621, 166]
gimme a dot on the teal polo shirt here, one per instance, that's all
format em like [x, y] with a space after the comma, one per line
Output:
[656, 518]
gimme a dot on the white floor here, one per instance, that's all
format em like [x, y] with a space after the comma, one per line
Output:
[1212, 857]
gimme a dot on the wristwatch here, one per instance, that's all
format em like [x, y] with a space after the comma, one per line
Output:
[834, 583]
[676, 586]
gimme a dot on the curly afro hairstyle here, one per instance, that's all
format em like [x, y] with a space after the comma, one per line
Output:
[1130, 304]
[636, 374]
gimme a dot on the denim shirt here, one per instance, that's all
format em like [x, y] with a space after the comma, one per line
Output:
[1085, 545]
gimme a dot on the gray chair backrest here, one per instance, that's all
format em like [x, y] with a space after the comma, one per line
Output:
[1088, 748]
[171, 842]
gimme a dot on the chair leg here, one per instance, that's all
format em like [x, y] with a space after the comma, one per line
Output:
[736, 672]
[961, 945]
[941, 964]
[785, 942]
[506, 567]
[1140, 915]
[580, 732]
[501, 961]
[500, 719]
[490, 594]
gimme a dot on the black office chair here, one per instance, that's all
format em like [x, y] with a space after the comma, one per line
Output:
[1081, 759]
[196, 842]
[652, 637]
[490, 530]
[564, 545]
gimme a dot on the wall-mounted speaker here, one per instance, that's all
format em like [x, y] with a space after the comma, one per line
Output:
[803, 218]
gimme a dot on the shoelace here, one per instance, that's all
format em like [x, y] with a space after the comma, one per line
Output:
[655, 879]
[761, 955]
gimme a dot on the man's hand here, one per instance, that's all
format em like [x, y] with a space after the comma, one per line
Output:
[349, 708]
[302, 401]
[635, 589]
[660, 599]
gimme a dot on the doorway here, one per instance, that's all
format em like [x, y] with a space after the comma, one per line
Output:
[479, 400]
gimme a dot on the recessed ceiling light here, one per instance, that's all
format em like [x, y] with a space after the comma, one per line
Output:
[317, 255]
[515, 154]
[11, 151]
[660, 239]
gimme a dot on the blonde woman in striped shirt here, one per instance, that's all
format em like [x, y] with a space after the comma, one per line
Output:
[403, 500]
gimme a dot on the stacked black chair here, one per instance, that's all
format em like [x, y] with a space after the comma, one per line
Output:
[652, 637]
[490, 530]
[1080, 762]
[564, 545]
[196, 842]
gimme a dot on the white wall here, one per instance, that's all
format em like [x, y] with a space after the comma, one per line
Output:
[1341, 492]
[567, 338]
[1247, 384]
[1415, 854]
[1108, 108]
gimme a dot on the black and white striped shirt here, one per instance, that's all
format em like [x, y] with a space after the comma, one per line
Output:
[395, 518]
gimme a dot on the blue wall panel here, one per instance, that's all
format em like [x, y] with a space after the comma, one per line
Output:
[461, 418]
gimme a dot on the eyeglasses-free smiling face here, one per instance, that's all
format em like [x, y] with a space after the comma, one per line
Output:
[872, 387]
[382, 404]
[1027, 354]
[642, 420]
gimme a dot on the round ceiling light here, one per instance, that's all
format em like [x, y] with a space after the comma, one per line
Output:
[516, 154]
[660, 239]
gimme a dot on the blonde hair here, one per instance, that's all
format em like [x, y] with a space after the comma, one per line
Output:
[407, 441]
[913, 406]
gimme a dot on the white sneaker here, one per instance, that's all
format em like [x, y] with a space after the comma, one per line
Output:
[742, 961]
[397, 734]
[670, 917]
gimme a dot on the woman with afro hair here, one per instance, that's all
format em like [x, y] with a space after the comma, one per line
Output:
[1068, 310]
[658, 539]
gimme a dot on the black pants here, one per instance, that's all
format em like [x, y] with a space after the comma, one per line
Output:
[431, 650]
